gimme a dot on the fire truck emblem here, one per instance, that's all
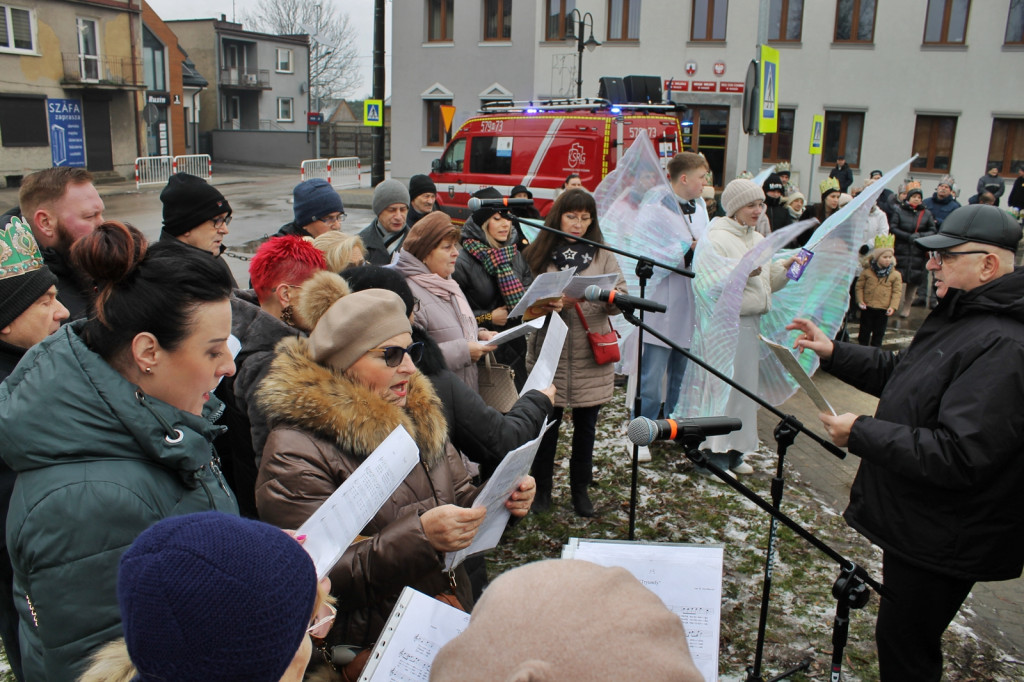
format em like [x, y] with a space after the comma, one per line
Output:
[577, 157]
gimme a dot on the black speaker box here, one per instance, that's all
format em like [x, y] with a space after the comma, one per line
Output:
[612, 89]
[646, 89]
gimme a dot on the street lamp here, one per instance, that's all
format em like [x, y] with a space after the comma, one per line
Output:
[574, 31]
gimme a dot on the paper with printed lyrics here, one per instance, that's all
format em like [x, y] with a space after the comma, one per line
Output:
[502, 483]
[416, 630]
[547, 285]
[789, 361]
[336, 524]
[578, 285]
[517, 331]
[687, 578]
[543, 372]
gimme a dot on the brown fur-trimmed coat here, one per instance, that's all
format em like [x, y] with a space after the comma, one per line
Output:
[323, 426]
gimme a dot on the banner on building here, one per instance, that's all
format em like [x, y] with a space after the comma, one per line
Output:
[67, 136]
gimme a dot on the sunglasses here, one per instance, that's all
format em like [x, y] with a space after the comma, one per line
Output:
[393, 354]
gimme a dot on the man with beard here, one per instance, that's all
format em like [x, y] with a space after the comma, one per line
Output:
[61, 206]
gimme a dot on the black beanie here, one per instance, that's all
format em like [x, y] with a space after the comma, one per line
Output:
[421, 184]
[190, 201]
[773, 183]
[484, 214]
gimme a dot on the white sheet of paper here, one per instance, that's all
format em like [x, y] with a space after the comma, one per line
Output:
[687, 578]
[789, 361]
[416, 630]
[333, 527]
[578, 285]
[543, 372]
[547, 285]
[505, 479]
[517, 331]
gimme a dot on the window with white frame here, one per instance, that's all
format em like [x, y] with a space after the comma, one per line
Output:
[88, 49]
[285, 61]
[284, 109]
[17, 29]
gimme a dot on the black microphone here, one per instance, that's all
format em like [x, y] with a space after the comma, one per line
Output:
[476, 203]
[644, 431]
[625, 301]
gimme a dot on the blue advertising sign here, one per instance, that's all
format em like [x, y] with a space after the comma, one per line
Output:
[67, 136]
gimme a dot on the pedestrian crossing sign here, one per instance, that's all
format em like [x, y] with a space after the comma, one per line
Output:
[767, 117]
[373, 112]
[817, 133]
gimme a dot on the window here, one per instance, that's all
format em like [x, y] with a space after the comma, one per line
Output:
[855, 21]
[842, 136]
[153, 61]
[23, 121]
[1007, 144]
[440, 20]
[946, 22]
[1015, 23]
[497, 19]
[779, 146]
[454, 159]
[707, 21]
[284, 61]
[933, 143]
[785, 19]
[284, 109]
[484, 157]
[437, 134]
[558, 10]
[623, 19]
[88, 49]
[16, 29]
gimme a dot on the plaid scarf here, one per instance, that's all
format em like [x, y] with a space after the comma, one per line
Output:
[497, 263]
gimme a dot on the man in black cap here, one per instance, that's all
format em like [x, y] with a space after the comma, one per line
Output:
[422, 196]
[842, 173]
[942, 460]
[777, 213]
[197, 215]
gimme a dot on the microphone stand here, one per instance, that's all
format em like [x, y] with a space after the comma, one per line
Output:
[785, 434]
[644, 271]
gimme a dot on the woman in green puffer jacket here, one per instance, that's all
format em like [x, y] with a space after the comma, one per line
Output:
[109, 425]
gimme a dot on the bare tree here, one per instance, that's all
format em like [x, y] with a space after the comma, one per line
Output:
[333, 58]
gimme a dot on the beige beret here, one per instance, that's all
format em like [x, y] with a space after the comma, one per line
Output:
[355, 324]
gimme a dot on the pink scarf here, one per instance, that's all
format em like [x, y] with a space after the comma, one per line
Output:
[445, 289]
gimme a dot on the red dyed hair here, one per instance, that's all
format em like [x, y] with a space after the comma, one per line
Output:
[284, 260]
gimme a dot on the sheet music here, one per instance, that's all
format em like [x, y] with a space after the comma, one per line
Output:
[547, 285]
[333, 527]
[505, 479]
[543, 372]
[687, 578]
[517, 331]
[578, 285]
[789, 361]
[416, 630]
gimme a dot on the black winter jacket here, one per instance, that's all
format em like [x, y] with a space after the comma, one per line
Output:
[909, 224]
[942, 467]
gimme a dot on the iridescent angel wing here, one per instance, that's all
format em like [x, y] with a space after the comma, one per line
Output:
[763, 175]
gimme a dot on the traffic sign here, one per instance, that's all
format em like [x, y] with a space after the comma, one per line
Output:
[314, 118]
[373, 112]
[767, 117]
[817, 133]
[447, 114]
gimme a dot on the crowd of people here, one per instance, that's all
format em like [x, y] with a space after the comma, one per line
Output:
[148, 400]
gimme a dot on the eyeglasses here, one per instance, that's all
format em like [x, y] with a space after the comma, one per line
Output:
[317, 629]
[333, 220]
[393, 354]
[225, 221]
[937, 256]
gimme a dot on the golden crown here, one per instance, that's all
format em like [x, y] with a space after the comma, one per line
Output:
[885, 241]
[827, 185]
[19, 252]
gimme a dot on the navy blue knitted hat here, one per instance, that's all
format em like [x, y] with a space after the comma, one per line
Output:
[313, 200]
[213, 597]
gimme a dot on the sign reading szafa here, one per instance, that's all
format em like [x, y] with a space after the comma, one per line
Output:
[67, 137]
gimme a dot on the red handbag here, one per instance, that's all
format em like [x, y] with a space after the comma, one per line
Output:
[605, 347]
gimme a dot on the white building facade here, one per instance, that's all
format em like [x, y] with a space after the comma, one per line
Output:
[940, 78]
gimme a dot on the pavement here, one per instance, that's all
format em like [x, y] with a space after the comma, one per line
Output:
[998, 607]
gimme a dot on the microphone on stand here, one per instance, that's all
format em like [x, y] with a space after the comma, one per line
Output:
[644, 431]
[625, 301]
[475, 203]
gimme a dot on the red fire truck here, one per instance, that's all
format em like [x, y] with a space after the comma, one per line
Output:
[539, 144]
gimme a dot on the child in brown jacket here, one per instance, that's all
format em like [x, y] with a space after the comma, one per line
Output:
[879, 288]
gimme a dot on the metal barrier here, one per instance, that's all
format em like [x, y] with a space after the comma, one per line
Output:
[345, 172]
[200, 165]
[151, 170]
[315, 168]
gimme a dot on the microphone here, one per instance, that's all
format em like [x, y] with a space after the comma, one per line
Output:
[644, 431]
[626, 302]
[475, 203]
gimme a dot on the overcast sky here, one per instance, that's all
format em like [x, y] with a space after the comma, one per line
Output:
[360, 15]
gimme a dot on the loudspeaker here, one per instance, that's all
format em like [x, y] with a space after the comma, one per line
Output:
[612, 90]
[646, 89]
